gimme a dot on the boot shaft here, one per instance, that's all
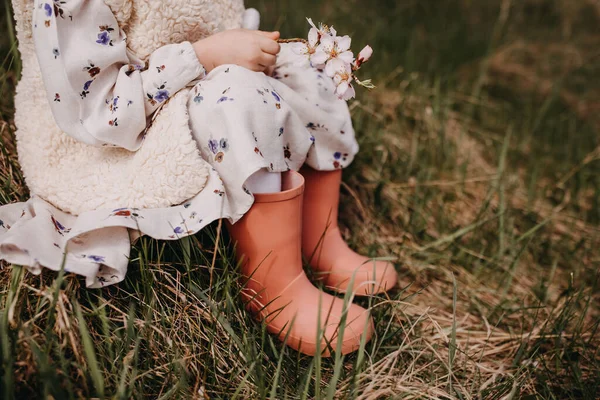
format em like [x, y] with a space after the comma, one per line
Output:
[268, 237]
[321, 195]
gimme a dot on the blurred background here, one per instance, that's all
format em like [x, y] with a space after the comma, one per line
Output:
[478, 172]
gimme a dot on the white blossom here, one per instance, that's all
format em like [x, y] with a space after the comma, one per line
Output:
[334, 53]
[330, 52]
[308, 49]
[342, 79]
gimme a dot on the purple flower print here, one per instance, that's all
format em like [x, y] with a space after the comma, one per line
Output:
[180, 231]
[198, 99]
[213, 145]
[86, 86]
[113, 104]
[98, 259]
[312, 139]
[224, 98]
[161, 95]
[275, 95]
[339, 158]
[103, 38]
[47, 9]
[85, 91]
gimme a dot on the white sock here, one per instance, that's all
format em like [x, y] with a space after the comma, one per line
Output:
[263, 181]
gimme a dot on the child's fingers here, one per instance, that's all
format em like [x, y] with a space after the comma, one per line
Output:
[271, 35]
[270, 46]
[266, 60]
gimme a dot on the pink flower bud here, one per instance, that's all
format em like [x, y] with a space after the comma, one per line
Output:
[364, 55]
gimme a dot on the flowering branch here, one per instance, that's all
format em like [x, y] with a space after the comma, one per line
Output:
[293, 40]
[325, 50]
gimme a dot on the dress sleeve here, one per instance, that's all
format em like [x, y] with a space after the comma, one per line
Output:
[98, 91]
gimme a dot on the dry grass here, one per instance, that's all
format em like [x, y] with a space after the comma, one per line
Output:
[480, 174]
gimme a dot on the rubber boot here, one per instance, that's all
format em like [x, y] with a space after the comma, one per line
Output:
[277, 289]
[334, 262]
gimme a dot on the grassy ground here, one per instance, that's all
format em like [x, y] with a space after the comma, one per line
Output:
[479, 172]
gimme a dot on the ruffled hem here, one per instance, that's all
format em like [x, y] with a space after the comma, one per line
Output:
[96, 244]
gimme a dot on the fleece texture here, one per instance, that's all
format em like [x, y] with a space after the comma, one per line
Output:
[168, 169]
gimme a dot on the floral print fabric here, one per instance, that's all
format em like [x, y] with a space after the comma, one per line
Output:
[100, 93]
[242, 121]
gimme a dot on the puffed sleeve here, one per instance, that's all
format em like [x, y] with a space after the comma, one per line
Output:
[98, 91]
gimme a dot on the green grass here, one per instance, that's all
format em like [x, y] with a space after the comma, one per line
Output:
[479, 172]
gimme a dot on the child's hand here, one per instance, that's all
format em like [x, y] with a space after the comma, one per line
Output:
[254, 50]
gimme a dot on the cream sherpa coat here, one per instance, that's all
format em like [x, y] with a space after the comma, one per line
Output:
[167, 169]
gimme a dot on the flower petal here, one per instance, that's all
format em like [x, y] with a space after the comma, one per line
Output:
[319, 57]
[350, 93]
[327, 44]
[343, 43]
[342, 88]
[313, 37]
[300, 49]
[334, 66]
[346, 57]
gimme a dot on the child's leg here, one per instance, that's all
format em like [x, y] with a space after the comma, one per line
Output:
[264, 181]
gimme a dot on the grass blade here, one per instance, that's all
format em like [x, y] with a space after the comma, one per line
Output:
[90, 353]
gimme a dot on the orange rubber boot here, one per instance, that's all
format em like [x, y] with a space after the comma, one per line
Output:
[277, 290]
[322, 243]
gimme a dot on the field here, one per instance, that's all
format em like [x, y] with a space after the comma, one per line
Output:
[479, 173]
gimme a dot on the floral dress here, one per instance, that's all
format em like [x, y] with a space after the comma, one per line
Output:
[103, 95]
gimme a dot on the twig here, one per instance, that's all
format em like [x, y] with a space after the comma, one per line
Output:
[292, 40]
